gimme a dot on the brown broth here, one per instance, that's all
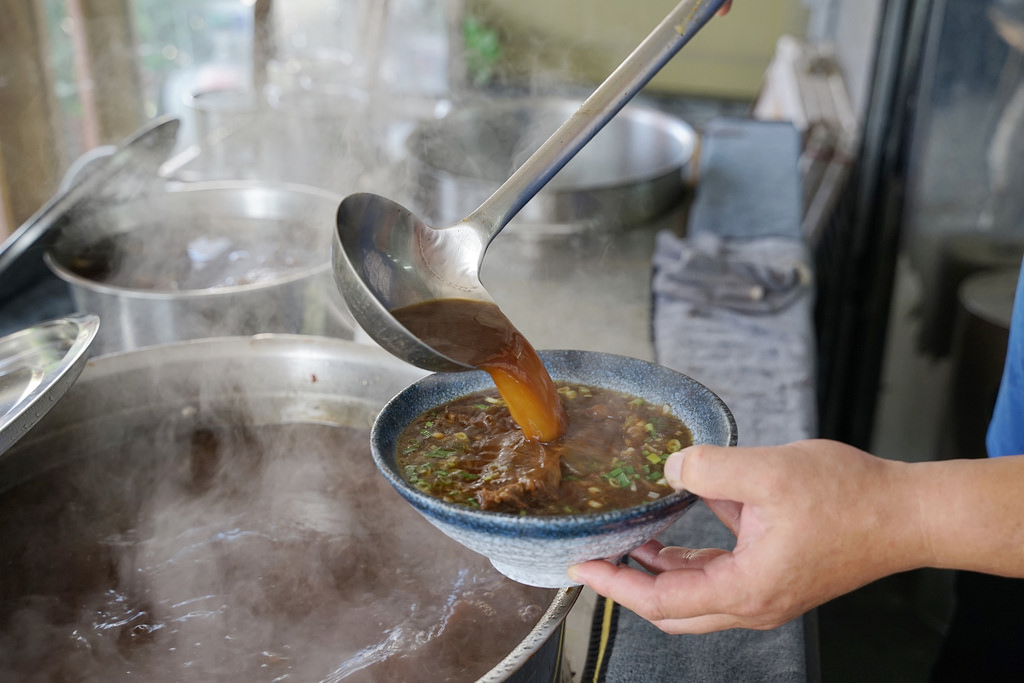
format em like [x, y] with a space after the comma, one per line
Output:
[612, 456]
[477, 333]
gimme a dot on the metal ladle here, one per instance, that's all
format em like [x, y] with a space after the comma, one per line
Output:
[385, 257]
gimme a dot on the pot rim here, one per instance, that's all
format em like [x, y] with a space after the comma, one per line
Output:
[673, 126]
[552, 619]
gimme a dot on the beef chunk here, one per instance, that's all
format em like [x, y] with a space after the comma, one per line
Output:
[523, 473]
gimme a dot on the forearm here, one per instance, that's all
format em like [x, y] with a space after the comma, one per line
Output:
[971, 513]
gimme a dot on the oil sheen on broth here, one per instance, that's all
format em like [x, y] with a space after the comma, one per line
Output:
[612, 455]
[477, 333]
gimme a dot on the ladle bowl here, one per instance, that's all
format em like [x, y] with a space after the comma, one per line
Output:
[385, 257]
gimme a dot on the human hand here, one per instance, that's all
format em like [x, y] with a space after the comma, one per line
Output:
[813, 520]
[724, 9]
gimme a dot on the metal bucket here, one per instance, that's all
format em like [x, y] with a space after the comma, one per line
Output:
[203, 259]
[102, 453]
[631, 172]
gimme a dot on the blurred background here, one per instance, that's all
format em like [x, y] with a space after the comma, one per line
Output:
[909, 115]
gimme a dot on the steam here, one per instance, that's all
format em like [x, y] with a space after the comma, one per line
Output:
[213, 551]
[186, 250]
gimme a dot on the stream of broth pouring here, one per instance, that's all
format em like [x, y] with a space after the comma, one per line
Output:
[477, 333]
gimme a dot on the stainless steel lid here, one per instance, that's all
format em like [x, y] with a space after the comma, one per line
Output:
[122, 171]
[37, 366]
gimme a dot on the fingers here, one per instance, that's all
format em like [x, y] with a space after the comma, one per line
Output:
[634, 589]
[674, 602]
[647, 551]
[656, 558]
[709, 623]
[616, 581]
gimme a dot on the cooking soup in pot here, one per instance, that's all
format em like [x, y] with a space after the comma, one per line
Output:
[233, 253]
[207, 550]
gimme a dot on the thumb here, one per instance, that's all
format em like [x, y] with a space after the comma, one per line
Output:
[718, 472]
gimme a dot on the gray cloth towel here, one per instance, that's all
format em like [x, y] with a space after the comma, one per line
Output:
[751, 276]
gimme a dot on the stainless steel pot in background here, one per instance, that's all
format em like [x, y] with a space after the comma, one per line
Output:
[132, 423]
[203, 259]
[632, 172]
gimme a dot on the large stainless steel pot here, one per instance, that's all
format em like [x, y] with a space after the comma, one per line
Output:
[150, 394]
[629, 174]
[148, 267]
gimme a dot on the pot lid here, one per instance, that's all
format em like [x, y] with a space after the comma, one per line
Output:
[37, 366]
[136, 160]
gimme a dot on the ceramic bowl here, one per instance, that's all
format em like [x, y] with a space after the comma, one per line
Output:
[537, 550]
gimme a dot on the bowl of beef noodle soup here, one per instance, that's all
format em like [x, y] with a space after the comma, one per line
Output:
[450, 446]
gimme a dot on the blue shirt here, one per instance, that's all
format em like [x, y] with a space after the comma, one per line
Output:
[1006, 430]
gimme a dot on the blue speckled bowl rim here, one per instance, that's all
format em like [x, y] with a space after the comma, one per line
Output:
[653, 382]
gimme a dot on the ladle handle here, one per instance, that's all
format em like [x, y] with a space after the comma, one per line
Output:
[674, 31]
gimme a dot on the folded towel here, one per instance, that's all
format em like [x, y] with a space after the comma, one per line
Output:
[751, 276]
